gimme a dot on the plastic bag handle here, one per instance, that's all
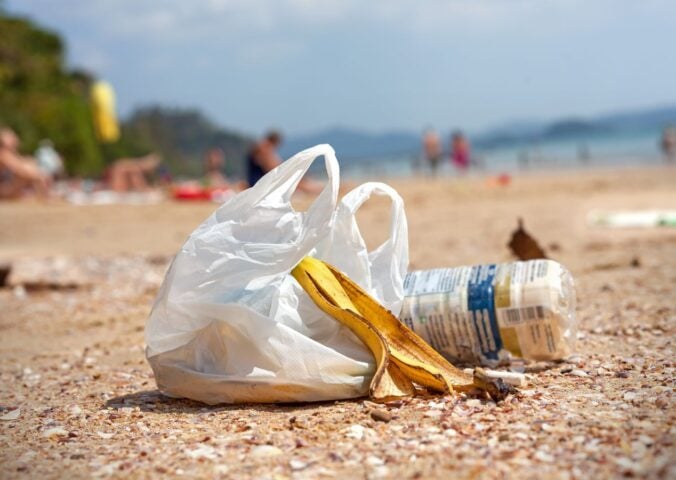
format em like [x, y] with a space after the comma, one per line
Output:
[392, 254]
[278, 185]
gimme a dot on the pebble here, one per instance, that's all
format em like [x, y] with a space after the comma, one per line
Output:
[265, 451]
[202, 451]
[297, 465]
[355, 431]
[374, 461]
[55, 432]
[434, 413]
[579, 373]
[543, 456]
[11, 415]
[381, 415]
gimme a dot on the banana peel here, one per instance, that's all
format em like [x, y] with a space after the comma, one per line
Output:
[403, 359]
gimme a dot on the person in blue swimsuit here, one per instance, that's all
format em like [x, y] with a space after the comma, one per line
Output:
[263, 157]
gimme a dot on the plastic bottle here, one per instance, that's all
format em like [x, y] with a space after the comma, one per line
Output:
[491, 313]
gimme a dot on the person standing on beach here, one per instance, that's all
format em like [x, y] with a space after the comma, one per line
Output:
[432, 149]
[669, 143]
[460, 151]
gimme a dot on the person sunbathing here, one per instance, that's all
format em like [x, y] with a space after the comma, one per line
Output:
[19, 175]
[131, 174]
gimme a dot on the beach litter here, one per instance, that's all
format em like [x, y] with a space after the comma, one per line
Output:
[632, 218]
[524, 246]
[300, 310]
[384, 350]
[491, 314]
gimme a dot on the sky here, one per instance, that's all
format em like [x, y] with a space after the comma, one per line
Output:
[379, 65]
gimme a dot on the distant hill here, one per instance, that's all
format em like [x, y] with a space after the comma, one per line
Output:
[580, 128]
[351, 144]
[639, 119]
[182, 136]
[355, 144]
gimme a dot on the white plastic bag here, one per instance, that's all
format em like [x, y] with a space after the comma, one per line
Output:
[231, 325]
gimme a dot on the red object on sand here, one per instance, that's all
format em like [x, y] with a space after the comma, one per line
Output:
[197, 193]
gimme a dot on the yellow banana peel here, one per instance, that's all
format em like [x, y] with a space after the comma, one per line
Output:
[403, 359]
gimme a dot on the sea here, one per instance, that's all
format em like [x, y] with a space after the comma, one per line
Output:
[633, 148]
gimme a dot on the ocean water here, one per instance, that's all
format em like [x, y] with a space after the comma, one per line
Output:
[625, 149]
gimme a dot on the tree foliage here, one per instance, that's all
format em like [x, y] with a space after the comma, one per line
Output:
[40, 98]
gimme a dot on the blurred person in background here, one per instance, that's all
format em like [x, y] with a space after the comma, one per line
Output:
[49, 160]
[669, 143]
[263, 157]
[214, 162]
[432, 149]
[131, 174]
[19, 175]
[460, 151]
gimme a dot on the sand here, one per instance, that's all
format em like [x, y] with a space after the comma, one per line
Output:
[78, 399]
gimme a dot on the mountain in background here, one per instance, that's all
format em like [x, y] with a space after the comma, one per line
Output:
[354, 144]
[182, 136]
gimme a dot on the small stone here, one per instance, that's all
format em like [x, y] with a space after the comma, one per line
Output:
[105, 436]
[265, 451]
[434, 413]
[356, 432]
[11, 415]
[629, 396]
[374, 461]
[55, 432]
[221, 469]
[579, 373]
[381, 415]
[202, 451]
[543, 456]
[297, 465]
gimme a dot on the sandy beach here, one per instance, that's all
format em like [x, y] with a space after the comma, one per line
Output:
[79, 400]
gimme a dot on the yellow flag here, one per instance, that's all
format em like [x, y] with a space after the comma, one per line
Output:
[103, 110]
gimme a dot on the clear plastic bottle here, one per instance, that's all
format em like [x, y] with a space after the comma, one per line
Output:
[490, 313]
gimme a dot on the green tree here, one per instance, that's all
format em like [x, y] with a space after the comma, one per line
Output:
[40, 99]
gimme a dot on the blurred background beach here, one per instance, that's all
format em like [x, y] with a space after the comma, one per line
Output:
[532, 86]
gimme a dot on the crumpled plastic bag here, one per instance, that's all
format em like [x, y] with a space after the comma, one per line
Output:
[231, 325]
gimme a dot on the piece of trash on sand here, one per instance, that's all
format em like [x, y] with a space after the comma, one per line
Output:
[511, 378]
[484, 314]
[11, 415]
[493, 385]
[524, 246]
[402, 357]
[632, 218]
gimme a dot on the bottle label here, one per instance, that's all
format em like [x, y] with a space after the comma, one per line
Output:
[482, 312]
